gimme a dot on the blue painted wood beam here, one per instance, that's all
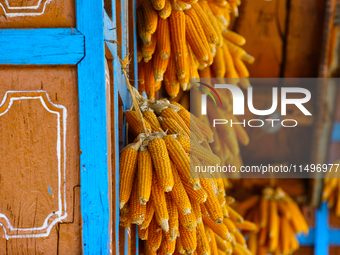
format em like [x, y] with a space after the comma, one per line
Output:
[45, 46]
[336, 132]
[94, 158]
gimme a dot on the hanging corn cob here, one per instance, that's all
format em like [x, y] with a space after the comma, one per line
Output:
[180, 37]
[175, 213]
[331, 190]
[277, 219]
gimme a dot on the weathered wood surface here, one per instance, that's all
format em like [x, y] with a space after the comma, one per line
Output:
[262, 23]
[63, 46]
[32, 166]
[37, 13]
[37, 131]
[69, 241]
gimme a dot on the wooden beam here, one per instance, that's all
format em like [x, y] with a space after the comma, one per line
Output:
[94, 126]
[46, 46]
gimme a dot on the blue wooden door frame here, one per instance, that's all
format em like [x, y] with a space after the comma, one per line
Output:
[84, 46]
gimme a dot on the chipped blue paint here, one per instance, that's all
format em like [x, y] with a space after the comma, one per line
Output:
[43, 46]
[49, 190]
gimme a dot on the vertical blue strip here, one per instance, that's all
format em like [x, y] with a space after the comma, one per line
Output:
[321, 230]
[116, 84]
[95, 204]
[336, 132]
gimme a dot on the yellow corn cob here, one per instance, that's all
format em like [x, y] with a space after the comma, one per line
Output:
[137, 211]
[171, 126]
[184, 140]
[154, 236]
[150, 211]
[241, 68]
[205, 72]
[143, 233]
[149, 50]
[294, 208]
[193, 72]
[179, 246]
[171, 90]
[141, 77]
[161, 163]
[150, 16]
[264, 207]
[163, 38]
[197, 210]
[213, 244]
[159, 67]
[284, 210]
[238, 52]
[195, 40]
[235, 216]
[337, 209]
[144, 176]
[198, 195]
[225, 211]
[208, 29]
[191, 124]
[127, 170]
[177, 104]
[241, 134]
[212, 204]
[166, 11]
[230, 225]
[230, 248]
[158, 4]
[218, 65]
[149, 251]
[149, 80]
[229, 63]
[284, 235]
[180, 159]
[218, 228]
[206, 131]
[170, 113]
[159, 203]
[204, 154]
[151, 118]
[185, 82]
[177, 28]
[202, 241]
[179, 194]
[234, 37]
[188, 221]
[143, 34]
[167, 247]
[173, 218]
[170, 78]
[221, 244]
[188, 239]
[135, 124]
[239, 237]
[245, 225]
[204, 210]
[252, 243]
[229, 135]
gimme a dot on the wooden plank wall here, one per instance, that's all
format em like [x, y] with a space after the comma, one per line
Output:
[286, 38]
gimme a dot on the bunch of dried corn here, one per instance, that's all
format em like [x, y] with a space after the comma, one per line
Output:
[174, 212]
[331, 190]
[178, 38]
[277, 218]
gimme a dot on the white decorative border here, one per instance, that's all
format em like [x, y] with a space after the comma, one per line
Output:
[34, 7]
[59, 212]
